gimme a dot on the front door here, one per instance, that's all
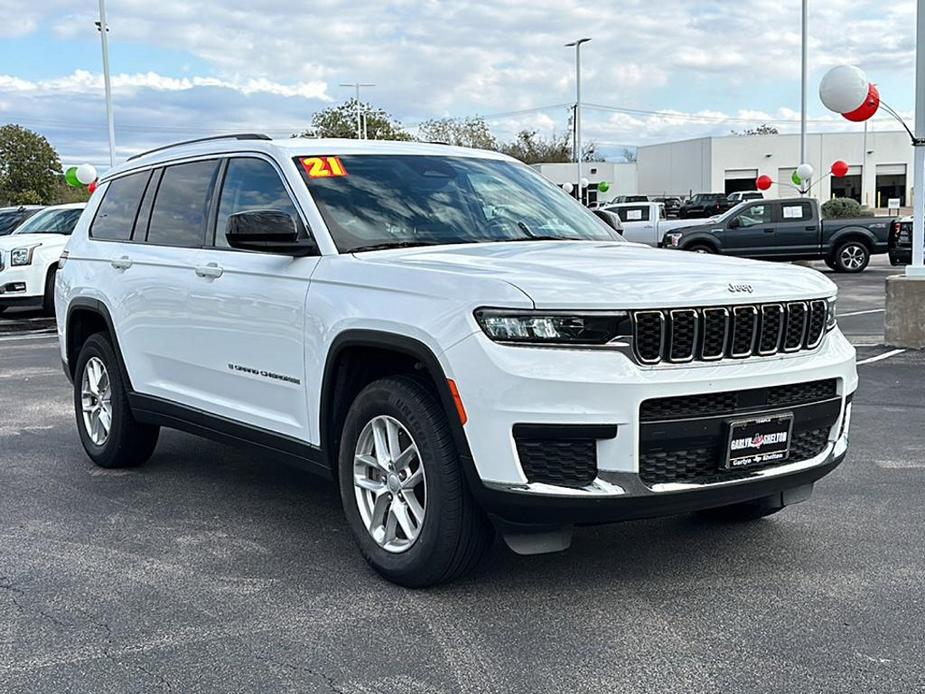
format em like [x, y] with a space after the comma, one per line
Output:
[248, 311]
[750, 232]
[797, 229]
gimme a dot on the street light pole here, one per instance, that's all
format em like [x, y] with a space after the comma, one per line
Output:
[577, 45]
[356, 86]
[917, 267]
[104, 38]
[803, 83]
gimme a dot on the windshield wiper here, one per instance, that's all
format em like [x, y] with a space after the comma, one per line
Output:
[533, 236]
[390, 244]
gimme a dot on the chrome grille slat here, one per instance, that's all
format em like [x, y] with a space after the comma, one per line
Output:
[682, 335]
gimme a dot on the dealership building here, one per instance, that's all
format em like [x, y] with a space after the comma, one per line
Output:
[880, 167]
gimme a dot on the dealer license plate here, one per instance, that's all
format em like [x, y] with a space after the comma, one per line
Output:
[759, 441]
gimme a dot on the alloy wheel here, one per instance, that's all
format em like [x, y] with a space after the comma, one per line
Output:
[852, 257]
[389, 483]
[96, 401]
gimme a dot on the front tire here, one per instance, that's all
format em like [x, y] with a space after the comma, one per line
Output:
[109, 433]
[403, 489]
[700, 248]
[851, 257]
[48, 299]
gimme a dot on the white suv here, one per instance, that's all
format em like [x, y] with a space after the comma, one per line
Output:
[29, 257]
[456, 341]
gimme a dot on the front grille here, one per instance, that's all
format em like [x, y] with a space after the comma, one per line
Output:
[737, 401]
[565, 463]
[739, 332]
[684, 439]
[702, 465]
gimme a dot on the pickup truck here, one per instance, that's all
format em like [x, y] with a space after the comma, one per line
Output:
[643, 222]
[705, 205]
[788, 229]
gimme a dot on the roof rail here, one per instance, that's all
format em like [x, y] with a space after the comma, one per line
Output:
[231, 136]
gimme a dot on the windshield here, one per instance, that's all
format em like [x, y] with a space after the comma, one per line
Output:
[51, 222]
[385, 201]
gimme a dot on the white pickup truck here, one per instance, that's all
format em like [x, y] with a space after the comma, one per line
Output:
[644, 222]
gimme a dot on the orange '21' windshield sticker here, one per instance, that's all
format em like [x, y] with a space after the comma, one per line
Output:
[323, 167]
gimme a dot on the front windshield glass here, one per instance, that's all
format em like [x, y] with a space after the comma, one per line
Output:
[51, 222]
[387, 201]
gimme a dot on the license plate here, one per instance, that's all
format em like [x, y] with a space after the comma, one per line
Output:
[759, 441]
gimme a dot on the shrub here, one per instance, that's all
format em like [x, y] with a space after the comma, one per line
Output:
[839, 208]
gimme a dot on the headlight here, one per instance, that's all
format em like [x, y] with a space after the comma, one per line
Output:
[673, 239]
[830, 319]
[552, 327]
[22, 256]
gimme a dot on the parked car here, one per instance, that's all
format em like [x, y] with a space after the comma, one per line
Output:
[619, 199]
[671, 204]
[704, 205]
[743, 195]
[789, 229]
[12, 217]
[900, 245]
[349, 306]
[29, 257]
[644, 222]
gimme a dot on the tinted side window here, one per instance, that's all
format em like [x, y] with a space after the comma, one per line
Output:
[181, 207]
[250, 184]
[634, 214]
[796, 212]
[116, 215]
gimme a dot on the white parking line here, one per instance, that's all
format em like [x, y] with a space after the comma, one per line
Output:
[860, 313]
[881, 357]
[32, 335]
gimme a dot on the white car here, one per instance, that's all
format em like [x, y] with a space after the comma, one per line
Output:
[29, 257]
[453, 339]
[745, 195]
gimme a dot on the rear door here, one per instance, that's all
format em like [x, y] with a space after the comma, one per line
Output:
[797, 229]
[750, 232]
[247, 311]
[638, 225]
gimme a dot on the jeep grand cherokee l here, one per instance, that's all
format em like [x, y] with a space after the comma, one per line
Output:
[459, 344]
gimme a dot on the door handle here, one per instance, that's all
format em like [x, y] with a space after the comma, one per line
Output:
[212, 270]
[810, 228]
[123, 263]
[768, 231]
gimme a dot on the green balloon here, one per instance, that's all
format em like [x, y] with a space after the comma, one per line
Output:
[603, 186]
[71, 177]
[797, 181]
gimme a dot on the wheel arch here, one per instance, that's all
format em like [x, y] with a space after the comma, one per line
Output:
[702, 240]
[339, 386]
[853, 233]
[86, 317]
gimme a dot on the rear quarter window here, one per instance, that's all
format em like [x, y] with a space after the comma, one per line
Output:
[116, 215]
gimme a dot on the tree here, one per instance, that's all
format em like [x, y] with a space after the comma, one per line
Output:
[763, 129]
[531, 148]
[472, 131]
[341, 121]
[29, 167]
[629, 154]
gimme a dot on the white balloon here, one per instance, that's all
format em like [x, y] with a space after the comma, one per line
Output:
[568, 188]
[843, 88]
[86, 174]
[805, 172]
[584, 182]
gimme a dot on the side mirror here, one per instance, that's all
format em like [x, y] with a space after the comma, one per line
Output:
[734, 223]
[269, 231]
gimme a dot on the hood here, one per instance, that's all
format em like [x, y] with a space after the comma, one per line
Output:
[11, 241]
[593, 275]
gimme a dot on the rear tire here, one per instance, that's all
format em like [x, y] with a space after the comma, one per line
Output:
[851, 257]
[449, 532]
[100, 396]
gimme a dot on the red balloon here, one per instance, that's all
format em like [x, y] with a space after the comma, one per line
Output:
[868, 108]
[764, 182]
[92, 187]
[839, 169]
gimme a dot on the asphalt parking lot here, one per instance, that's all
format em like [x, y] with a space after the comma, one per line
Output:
[210, 570]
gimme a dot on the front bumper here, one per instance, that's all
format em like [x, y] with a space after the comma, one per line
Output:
[21, 286]
[504, 386]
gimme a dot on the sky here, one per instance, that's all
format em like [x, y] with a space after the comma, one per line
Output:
[654, 71]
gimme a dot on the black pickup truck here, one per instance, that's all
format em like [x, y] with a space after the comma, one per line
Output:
[788, 229]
